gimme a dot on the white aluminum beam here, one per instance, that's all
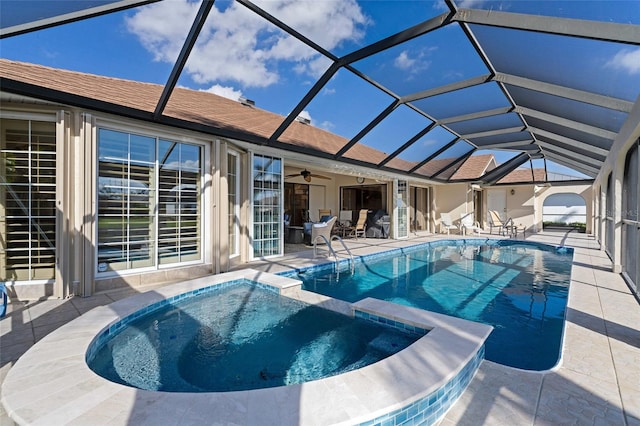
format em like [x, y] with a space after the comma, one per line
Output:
[595, 30]
[575, 125]
[446, 88]
[571, 154]
[494, 132]
[566, 92]
[78, 15]
[475, 115]
[572, 164]
[569, 141]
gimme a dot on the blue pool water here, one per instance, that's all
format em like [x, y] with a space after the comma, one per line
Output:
[237, 338]
[518, 288]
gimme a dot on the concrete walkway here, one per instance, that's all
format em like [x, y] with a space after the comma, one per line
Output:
[597, 381]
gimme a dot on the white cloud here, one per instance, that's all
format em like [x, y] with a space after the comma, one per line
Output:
[470, 4]
[627, 60]
[462, 4]
[237, 45]
[403, 61]
[429, 142]
[440, 5]
[225, 91]
[163, 27]
[413, 63]
[327, 125]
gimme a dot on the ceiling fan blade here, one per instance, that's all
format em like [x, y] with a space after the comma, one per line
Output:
[307, 175]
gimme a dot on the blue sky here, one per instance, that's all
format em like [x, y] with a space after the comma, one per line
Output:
[239, 54]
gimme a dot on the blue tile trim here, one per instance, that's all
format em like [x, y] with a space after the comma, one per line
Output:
[388, 322]
[114, 328]
[429, 409]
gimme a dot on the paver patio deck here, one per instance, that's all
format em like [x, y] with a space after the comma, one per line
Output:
[596, 382]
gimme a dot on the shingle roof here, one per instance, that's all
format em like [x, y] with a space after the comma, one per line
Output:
[523, 175]
[216, 111]
[475, 166]
[193, 106]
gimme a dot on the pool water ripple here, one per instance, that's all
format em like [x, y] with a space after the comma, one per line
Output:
[239, 338]
[519, 288]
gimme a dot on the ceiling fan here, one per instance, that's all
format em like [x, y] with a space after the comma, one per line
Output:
[307, 175]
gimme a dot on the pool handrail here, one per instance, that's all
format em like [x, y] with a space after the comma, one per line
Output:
[335, 255]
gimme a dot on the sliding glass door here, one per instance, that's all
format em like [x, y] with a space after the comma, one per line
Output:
[267, 206]
[149, 201]
[27, 200]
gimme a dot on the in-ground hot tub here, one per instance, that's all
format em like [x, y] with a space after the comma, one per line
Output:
[240, 337]
[52, 383]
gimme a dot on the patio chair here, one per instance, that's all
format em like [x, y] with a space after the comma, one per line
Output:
[495, 221]
[322, 229]
[468, 225]
[346, 216]
[343, 225]
[361, 225]
[324, 213]
[446, 224]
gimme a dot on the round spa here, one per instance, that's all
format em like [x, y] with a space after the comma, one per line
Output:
[395, 372]
[240, 337]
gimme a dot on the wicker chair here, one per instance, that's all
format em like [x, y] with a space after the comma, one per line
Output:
[323, 229]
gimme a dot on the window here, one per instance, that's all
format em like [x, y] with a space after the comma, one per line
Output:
[233, 181]
[296, 203]
[355, 198]
[631, 218]
[179, 210]
[402, 202]
[148, 201]
[267, 205]
[610, 219]
[27, 200]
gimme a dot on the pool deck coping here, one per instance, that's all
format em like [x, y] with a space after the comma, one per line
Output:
[52, 384]
[597, 381]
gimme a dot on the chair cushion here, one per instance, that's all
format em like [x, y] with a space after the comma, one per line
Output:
[325, 218]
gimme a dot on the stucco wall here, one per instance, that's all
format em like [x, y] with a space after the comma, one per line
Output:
[453, 199]
[524, 203]
[614, 165]
[584, 190]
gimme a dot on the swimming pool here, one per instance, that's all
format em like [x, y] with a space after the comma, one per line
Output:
[241, 337]
[520, 288]
[52, 383]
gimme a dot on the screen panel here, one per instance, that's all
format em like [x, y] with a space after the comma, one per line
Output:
[432, 60]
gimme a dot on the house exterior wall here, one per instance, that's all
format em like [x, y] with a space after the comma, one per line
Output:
[564, 208]
[76, 200]
[614, 166]
[585, 191]
[77, 136]
[455, 199]
[524, 203]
